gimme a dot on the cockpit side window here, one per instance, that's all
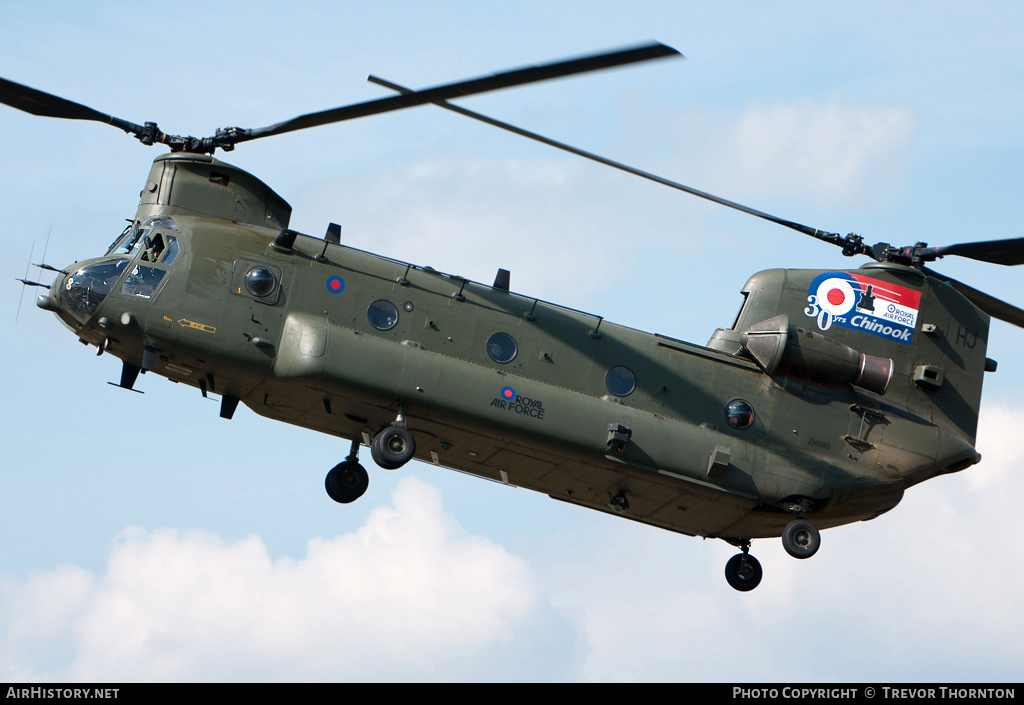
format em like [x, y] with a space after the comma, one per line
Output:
[156, 247]
[171, 252]
[129, 230]
[129, 241]
[153, 247]
[134, 236]
[142, 281]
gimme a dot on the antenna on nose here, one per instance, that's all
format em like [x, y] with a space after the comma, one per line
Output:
[25, 282]
[28, 282]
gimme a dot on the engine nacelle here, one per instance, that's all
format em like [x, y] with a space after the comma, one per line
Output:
[803, 354]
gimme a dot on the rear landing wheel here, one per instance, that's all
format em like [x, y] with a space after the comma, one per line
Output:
[801, 538]
[346, 482]
[743, 572]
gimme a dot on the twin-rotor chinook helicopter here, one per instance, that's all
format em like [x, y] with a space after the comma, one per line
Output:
[832, 393]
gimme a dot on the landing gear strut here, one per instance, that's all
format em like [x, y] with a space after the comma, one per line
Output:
[394, 446]
[347, 481]
[743, 571]
[800, 538]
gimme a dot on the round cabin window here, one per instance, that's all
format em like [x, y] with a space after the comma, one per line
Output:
[739, 414]
[620, 381]
[502, 348]
[382, 315]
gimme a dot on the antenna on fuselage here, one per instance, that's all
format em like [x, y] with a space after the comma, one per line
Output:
[331, 237]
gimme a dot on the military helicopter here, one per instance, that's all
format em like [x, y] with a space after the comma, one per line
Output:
[832, 392]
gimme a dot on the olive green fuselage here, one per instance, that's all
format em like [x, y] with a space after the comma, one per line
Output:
[309, 353]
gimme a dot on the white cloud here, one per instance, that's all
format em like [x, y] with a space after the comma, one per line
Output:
[1001, 445]
[927, 592]
[34, 618]
[408, 595]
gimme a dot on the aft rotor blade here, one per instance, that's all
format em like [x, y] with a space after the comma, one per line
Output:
[1005, 252]
[44, 104]
[834, 238]
[997, 308]
[507, 79]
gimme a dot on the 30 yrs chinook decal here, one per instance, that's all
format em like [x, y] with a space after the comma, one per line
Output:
[862, 303]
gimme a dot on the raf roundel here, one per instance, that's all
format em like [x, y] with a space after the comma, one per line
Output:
[836, 296]
[335, 285]
[508, 393]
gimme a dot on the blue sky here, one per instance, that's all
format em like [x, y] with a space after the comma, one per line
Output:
[144, 538]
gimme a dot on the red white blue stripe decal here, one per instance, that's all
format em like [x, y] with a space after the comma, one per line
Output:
[871, 305]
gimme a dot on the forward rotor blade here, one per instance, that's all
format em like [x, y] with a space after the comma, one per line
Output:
[1005, 252]
[997, 308]
[44, 104]
[507, 79]
[834, 238]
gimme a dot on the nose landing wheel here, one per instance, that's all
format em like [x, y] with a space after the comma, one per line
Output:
[346, 482]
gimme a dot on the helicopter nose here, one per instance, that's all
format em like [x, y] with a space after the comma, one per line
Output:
[48, 301]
